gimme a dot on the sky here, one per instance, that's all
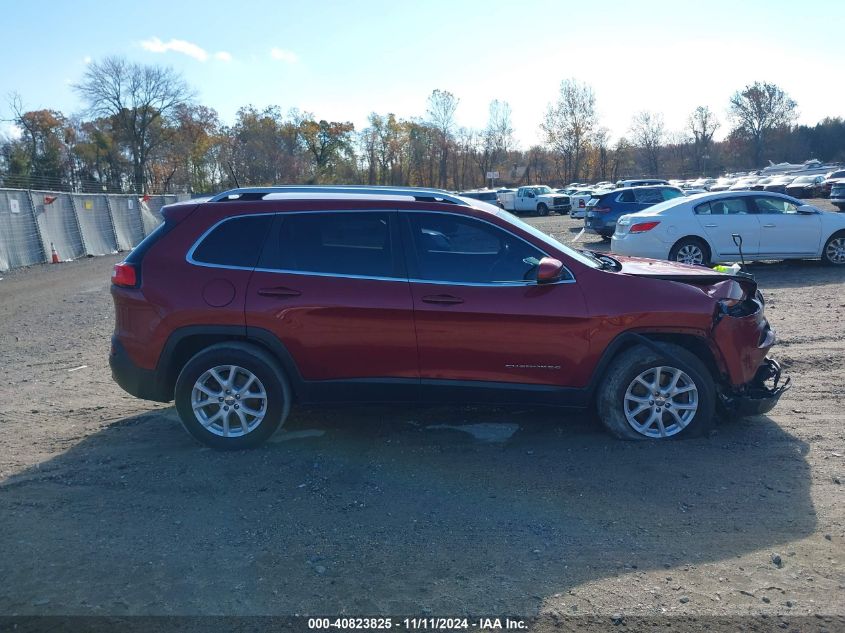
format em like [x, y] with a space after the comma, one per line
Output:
[343, 60]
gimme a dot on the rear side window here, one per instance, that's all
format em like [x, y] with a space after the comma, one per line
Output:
[345, 243]
[234, 242]
[626, 196]
[728, 206]
[669, 194]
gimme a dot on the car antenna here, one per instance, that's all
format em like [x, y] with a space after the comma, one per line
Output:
[234, 177]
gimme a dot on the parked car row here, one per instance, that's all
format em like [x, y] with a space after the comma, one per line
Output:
[797, 185]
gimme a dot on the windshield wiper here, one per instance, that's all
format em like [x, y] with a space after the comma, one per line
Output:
[605, 262]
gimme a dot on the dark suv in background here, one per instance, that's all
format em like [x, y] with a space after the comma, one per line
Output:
[257, 299]
[604, 210]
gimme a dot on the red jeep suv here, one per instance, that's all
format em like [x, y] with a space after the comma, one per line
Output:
[242, 305]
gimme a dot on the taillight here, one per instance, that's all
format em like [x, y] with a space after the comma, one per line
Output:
[581, 203]
[124, 275]
[642, 227]
[602, 209]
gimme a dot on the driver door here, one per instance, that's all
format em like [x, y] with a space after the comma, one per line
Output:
[479, 313]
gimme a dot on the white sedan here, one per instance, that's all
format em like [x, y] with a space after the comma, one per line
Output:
[702, 229]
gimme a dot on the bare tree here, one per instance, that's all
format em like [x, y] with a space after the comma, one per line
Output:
[441, 113]
[496, 140]
[702, 124]
[648, 132]
[569, 124]
[139, 98]
[759, 109]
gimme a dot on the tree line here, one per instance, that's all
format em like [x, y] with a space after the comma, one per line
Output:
[142, 130]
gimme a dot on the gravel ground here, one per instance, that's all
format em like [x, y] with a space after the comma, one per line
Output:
[107, 507]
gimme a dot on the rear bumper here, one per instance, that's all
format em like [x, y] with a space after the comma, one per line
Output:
[142, 383]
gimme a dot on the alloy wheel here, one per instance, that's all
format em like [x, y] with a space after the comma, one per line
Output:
[229, 401]
[660, 402]
[835, 251]
[690, 254]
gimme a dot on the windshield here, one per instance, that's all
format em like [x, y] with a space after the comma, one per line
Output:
[804, 179]
[541, 190]
[547, 239]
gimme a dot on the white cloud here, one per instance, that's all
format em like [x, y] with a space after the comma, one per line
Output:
[155, 45]
[282, 55]
[223, 56]
[87, 59]
[10, 131]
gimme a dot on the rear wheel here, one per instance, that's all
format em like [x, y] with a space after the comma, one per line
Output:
[690, 250]
[232, 396]
[542, 209]
[648, 394]
[834, 250]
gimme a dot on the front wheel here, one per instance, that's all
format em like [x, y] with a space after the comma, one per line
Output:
[542, 209]
[690, 251]
[834, 250]
[648, 394]
[232, 396]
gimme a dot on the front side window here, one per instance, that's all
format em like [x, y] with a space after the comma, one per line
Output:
[775, 205]
[235, 242]
[340, 243]
[449, 248]
[647, 195]
[669, 193]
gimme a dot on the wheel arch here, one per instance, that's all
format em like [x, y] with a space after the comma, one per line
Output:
[698, 238]
[694, 343]
[184, 343]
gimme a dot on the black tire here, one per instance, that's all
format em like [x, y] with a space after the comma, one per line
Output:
[687, 243]
[831, 255]
[542, 209]
[611, 396]
[253, 359]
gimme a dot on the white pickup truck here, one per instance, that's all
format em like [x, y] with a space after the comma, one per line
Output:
[534, 198]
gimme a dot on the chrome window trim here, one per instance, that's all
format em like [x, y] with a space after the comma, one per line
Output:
[190, 255]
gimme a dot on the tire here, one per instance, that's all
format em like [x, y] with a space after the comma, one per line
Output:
[542, 209]
[690, 250]
[206, 377]
[618, 397]
[834, 250]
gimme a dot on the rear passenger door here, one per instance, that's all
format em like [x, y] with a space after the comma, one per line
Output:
[721, 219]
[331, 286]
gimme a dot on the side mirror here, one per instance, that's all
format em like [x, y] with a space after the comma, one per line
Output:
[807, 209]
[548, 270]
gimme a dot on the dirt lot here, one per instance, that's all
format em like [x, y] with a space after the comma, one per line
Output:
[108, 507]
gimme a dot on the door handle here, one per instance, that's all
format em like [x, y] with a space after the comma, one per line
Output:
[768, 226]
[442, 299]
[711, 226]
[279, 291]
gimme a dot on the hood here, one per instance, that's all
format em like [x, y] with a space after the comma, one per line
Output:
[689, 274]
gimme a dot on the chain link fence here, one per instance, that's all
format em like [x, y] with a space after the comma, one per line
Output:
[34, 224]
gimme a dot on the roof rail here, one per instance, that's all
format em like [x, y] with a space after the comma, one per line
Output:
[420, 194]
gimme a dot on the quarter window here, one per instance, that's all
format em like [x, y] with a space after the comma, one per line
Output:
[345, 243]
[463, 250]
[234, 242]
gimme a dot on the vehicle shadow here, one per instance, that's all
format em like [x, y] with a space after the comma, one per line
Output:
[385, 510]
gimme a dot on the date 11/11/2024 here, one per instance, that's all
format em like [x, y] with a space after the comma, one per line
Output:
[419, 624]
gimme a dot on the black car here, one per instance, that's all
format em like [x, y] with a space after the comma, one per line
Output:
[805, 187]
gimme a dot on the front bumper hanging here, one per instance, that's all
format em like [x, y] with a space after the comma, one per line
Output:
[761, 394]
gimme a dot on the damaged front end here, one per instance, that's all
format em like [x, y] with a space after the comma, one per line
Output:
[744, 337]
[758, 396]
